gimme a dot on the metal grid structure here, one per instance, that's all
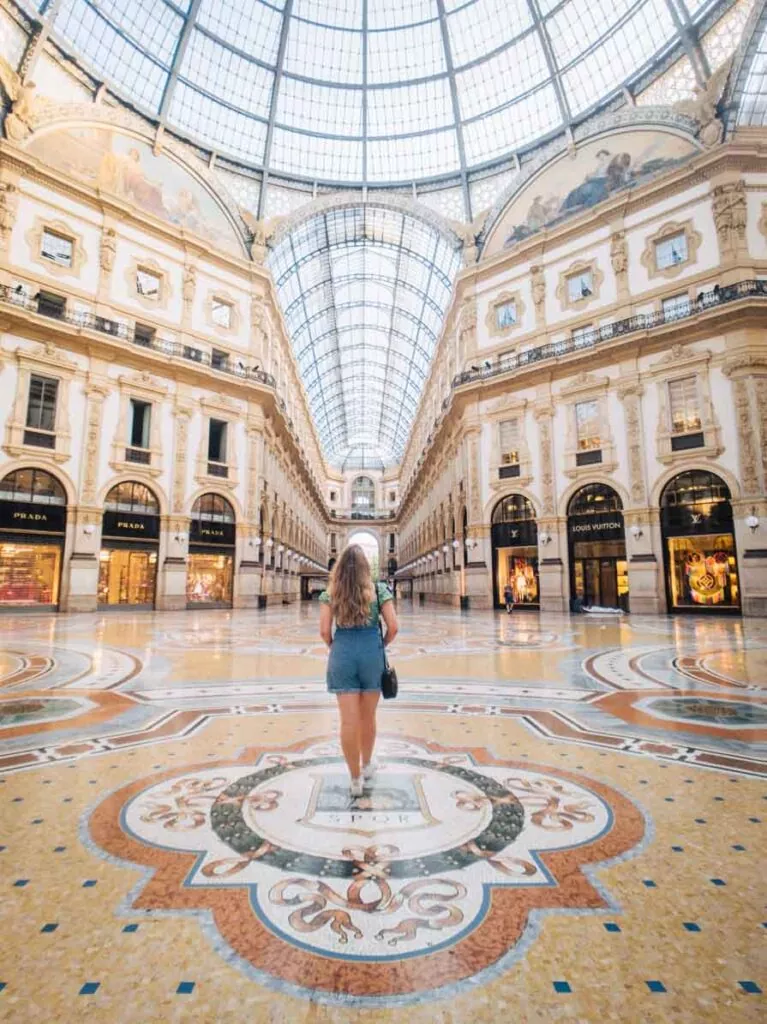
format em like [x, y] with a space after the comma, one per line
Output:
[374, 91]
[750, 92]
[364, 292]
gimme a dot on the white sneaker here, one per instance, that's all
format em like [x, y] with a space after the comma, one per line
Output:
[368, 772]
[356, 786]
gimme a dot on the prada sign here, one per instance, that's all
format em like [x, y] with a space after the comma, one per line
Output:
[217, 534]
[602, 526]
[130, 525]
[26, 517]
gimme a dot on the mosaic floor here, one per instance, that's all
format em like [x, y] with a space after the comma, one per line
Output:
[568, 824]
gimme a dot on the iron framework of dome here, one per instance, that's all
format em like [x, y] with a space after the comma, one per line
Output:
[374, 91]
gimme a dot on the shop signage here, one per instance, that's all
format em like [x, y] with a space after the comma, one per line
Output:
[26, 517]
[515, 535]
[691, 521]
[604, 526]
[219, 534]
[130, 524]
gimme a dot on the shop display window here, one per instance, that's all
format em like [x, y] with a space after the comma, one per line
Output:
[127, 577]
[209, 579]
[29, 574]
[519, 566]
[703, 571]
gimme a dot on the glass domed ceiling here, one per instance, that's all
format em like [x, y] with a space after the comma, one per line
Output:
[375, 91]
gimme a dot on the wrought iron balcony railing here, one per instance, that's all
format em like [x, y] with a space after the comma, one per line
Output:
[361, 513]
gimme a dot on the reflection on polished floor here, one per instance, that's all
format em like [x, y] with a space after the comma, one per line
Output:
[568, 823]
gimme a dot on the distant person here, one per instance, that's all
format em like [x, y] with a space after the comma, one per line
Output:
[508, 597]
[356, 660]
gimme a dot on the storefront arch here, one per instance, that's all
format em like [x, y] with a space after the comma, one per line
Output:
[33, 520]
[514, 536]
[699, 550]
[596, 541]
[212, 539]
[370, 544]
[130, 540]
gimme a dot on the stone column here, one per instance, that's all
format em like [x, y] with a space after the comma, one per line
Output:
[476, 574]
[250, 574]
[552, 556]
[174, 542]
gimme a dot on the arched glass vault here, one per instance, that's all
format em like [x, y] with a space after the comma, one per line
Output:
[364, 291]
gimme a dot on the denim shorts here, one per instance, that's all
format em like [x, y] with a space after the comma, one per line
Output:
[356, 660]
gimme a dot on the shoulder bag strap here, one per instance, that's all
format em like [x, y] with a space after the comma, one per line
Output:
[380, 628]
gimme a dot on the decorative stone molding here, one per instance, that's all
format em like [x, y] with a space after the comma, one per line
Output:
[467, 330]
[491, 319]
[728, 204]
[182, 414]
[619, 259]
[679, 362]
[108, 250]
[34, 239]
[587, 387]
[153, 267]
[505, 409]
[473, 458]
[748, 376]
[96, 392]
[579, 267]
[668, 230]
[630, 393]
[47, 361]
[762, 225]
[188, 288]
[145, 388]
[9, 206]
[222, 296]
[538, 287]
[544, 415]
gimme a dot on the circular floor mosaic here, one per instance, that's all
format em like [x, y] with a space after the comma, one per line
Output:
[373, 894]
[710, 711]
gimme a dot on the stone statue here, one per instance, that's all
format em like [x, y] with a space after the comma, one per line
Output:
[469, 235]
[190, 283]
[618, 253]
[19, 122]
[538, 283]
[729, 209]
[108, 249]
[704, 106]
[9, 202]
[263, 231]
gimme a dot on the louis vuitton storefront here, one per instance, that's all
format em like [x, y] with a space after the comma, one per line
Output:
[597, 548]
[130, 537]
[210, 568]
[33, 517]
[515, 551]
[699, 544]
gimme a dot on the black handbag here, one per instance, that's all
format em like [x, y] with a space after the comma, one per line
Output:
[389, 682]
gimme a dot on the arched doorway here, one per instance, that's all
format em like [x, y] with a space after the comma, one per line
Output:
[33, 519]
[700, 558]
[210, 568]
[363, 495]
[369, 544]
[514, 533]
[130, 538]
[597, 546]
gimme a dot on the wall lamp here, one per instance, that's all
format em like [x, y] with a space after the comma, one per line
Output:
[752, 521]
[456, 544]
[544, 538]
[637, 532]
[88, 529]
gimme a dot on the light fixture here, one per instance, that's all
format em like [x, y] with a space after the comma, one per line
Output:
[88, 529]
[544, 538]
[270, 542]
[456, 544]
[636, 531]
[752, 520]
[444, 549]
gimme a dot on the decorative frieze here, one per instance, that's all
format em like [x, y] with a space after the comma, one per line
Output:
[95, 393]
[544, 416]
[630, 395]
[728, 204]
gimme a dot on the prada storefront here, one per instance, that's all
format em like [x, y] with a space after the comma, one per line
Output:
[210, 567]
[33, 518]
[597, 547]
[699, 544]
[130, 537]
[515, 551]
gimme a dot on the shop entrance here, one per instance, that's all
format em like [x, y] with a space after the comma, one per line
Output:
[210, 567]
[515, 551]
[700, 558]
[597, 547]
[130, 534]
[33, 513]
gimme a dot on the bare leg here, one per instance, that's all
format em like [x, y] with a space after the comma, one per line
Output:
[349, 707]
[369, 703]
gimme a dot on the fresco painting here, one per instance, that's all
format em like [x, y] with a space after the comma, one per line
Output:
[128, 168]
[599, 169]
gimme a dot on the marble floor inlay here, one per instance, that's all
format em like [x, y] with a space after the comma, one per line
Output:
[567, 823]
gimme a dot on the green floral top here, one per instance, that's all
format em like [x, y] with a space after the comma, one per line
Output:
[384, 595]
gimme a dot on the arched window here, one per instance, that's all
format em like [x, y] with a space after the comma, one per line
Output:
[34, 485]
[594, 499]
[212, 508]
[131, 496]
[695, 486]
[363, 494]
[515, 508]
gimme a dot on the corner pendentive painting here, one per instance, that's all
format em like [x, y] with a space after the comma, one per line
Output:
[127, 167]
[599, 169]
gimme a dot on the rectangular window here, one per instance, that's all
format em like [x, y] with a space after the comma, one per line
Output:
[580, 286]
[391, 543]
[57, 248]
[508, 431]
[505, 315]
[41, 412]
[221, 313]
[217, 441]
[684, 405]
[671, 251]
[676, 306]
[49, 304]
[219, 359]
[587, 426]
[148, 283]
[138, 426]
[333, 542]
[392, 495]
[143, 335]
[333, 495]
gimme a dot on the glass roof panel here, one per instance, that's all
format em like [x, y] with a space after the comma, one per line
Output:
[354, 89]
[364, 291]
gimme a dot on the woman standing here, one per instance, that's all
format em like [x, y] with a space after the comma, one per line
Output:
[356, 660]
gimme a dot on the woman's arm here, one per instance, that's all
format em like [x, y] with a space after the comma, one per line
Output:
[389, 616]
[326, 624]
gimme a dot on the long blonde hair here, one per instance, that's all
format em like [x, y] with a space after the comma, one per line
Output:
[351, 588]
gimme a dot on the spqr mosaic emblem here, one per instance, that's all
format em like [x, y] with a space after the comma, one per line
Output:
[372, 894]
